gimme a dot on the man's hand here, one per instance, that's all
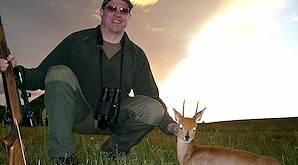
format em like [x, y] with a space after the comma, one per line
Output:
[4, 62]
[173, 128]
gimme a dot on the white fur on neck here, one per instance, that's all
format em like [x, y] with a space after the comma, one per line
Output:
[183, 150]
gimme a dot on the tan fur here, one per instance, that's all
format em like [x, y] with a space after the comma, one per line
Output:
[189, 153]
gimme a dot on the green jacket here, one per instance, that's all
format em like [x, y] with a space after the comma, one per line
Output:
[80, 52]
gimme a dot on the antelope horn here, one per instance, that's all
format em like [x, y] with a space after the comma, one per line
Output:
[183, 107]
[197, 107]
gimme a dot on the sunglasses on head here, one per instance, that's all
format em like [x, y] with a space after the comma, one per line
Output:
[114, 9]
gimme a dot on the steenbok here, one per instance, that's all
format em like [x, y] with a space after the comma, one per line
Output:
[189, 153]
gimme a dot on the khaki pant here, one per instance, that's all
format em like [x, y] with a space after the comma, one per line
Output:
[68, 112]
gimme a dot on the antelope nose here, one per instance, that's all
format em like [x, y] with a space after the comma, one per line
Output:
[186, 137]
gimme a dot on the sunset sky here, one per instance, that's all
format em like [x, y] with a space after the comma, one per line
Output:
[237, 57]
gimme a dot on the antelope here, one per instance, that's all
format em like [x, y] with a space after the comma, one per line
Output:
[195, 154]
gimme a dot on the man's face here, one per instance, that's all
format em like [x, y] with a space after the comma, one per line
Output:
[115, 16]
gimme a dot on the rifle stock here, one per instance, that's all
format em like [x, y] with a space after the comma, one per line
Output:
[13, 142]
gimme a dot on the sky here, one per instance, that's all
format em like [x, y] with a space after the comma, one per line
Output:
[236, 57]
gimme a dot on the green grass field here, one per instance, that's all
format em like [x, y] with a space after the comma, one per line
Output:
[277, 138]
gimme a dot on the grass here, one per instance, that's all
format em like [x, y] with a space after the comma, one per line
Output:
[277, 138]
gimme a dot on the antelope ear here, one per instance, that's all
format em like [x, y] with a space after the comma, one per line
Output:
[199, 115]
[178, 116]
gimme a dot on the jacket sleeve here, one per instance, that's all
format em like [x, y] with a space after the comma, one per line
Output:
[144, 84]
[166, 119]
[34, 77]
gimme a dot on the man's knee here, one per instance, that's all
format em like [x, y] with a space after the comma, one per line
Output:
[157, 112]
[150, 111]
[61, 73]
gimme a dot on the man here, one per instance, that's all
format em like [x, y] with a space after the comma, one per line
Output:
[75, 73]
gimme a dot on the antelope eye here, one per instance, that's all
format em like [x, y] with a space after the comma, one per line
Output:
[180, 126]
[194, 129]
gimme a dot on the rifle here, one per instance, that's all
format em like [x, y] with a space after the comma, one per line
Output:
[13, 142]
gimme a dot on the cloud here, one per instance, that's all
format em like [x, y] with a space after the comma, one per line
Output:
[96, 14]
[154, 29]
[235, 68]
[144, 2]
[294, 17]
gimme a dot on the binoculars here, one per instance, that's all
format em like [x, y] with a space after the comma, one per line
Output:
[107, 108]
